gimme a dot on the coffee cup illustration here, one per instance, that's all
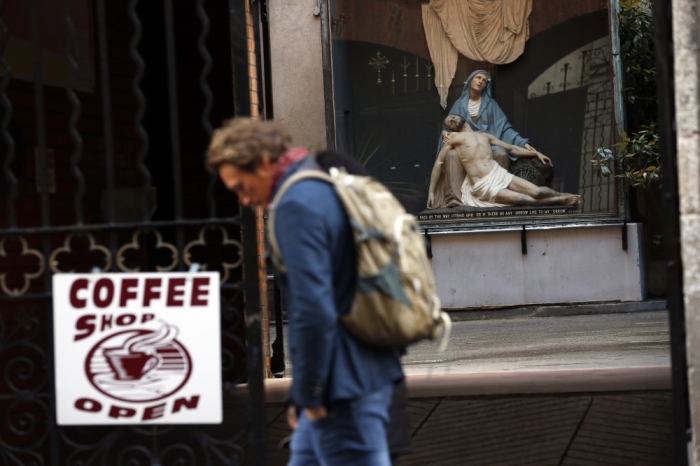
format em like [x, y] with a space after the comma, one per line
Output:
[138, 355]
[141, 364]
[130, 366]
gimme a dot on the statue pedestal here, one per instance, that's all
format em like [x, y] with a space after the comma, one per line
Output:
[563, 264]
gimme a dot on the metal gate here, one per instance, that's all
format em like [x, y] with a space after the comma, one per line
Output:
[106, 109]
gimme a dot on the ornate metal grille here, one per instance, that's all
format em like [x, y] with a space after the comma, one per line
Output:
[102, 135]
[597, 193]
[586, 70]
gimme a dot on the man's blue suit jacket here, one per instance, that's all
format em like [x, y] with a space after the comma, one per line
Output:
[316, 243]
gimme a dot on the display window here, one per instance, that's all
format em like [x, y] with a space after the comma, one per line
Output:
[479, 111]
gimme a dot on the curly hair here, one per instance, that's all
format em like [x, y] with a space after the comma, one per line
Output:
[456, 124]
[242, 142]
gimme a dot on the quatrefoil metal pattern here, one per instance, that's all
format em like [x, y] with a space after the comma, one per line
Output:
[134, 245]
[225, 241]
[66, 248]
[28, 277]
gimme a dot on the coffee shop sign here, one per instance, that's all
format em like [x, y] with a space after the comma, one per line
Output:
[137, 348]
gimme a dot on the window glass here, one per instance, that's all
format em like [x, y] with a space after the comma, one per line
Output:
[391, 58]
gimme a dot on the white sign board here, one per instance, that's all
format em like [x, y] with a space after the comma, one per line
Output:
[137, 348]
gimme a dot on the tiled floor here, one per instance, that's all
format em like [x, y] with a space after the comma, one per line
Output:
[596, 429]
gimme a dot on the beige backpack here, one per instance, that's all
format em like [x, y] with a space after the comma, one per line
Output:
[395, 303]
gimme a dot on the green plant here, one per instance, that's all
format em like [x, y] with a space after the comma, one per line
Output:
[638, 57]
[638, 158]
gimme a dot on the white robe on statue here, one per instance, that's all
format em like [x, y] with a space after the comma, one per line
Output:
[483, 192]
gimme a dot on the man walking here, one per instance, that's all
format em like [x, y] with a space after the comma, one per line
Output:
[342, 388]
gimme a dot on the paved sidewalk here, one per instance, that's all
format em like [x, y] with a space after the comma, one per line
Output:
[605, 429]
[551, 343]
[639, 339]
[619, 429]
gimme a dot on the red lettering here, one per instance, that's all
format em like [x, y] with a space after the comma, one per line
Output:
[85, 323]
[198, 292]
[103, 284]
[175, 289]
[116, 412]
[106, 322]
[128, 284]
[189, 404]
[151, 291]
[86, 404]
[126, 319]
[79, 284]
[146, 317]
[153, 412]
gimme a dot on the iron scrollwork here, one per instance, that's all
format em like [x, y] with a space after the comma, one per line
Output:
[24, 398]
[146, 446]
[112, 153]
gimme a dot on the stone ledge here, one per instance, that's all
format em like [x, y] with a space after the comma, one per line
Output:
[519, 382]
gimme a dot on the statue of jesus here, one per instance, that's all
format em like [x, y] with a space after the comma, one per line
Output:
[487, 184]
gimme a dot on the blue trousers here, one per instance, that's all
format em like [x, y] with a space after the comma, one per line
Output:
[353, 433]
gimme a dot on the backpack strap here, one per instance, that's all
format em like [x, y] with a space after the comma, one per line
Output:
[275, 254]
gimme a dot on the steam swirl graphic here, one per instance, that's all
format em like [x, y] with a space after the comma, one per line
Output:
[149, 342]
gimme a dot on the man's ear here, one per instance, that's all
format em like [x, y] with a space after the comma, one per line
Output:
[265, 161]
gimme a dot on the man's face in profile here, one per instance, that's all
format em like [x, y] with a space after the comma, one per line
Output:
[253, 188]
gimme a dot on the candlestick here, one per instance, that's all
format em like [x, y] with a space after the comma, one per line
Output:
[379, 62]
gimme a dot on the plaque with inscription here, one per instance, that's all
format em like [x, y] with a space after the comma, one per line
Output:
[494, 213]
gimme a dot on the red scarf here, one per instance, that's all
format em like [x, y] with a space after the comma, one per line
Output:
[288, 158]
